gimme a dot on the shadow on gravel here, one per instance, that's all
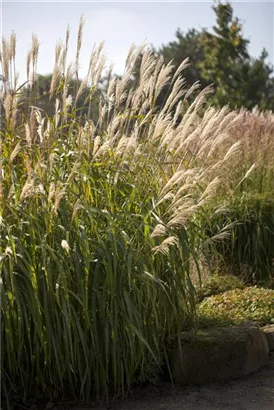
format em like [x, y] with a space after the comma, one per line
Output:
[255, 392]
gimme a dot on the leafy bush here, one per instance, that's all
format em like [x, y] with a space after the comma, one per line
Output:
[238, 306]
[215, 284]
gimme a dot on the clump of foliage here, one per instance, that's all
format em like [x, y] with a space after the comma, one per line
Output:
[216, 284]
[246, 203]
[238, 306]
[248, 250]
[97, 222]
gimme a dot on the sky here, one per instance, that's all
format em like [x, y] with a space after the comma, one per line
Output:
[122, 23]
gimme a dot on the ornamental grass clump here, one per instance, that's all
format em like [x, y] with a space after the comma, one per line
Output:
[96, 223]
[245, 203]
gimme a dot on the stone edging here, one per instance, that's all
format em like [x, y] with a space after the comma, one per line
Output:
[269, 332]
[218, 354]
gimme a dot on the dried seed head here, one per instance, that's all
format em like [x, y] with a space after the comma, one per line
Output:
[65, 246]
[15, 152]
[28, 189]
[165, 245]
[79, 41]
[59, 194]
[5, 59]
[159, 230]
[12, 45]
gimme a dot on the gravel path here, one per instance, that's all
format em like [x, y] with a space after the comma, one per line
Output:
[255, 392]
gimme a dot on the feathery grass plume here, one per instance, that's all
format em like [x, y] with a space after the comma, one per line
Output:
[28, 62]
[184, 64]
[159, 230]
[133, 54]
[96, 144]
[195, 87]
[249, 171]
[65, 53]
[12, 46]
[67, 100]
[121, 86]
[57, 70]
[32, 59]
[79, 43]
[175, 179]
[58, 195]
[40, 121]
[111, 89]
[177, 92]
[232, 150]
[65, 246]
[105, 147]
[147, 64]
[128, 65]
[15, 152]
[8, 105]
[100, 68]
[51, 161]
[95, 57]
[28, 189]
[5, 59]
[164, 247]
[12, 52]
[163, 78]
[51, 191]
[81, 88]
[210, 189]
[77, 206]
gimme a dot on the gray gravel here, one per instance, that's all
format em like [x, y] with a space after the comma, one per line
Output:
[255, 392]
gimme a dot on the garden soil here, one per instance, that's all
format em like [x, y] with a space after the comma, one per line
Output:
[255, 392]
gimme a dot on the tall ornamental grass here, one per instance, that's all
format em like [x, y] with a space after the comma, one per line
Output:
[246, 203]
[98, 223]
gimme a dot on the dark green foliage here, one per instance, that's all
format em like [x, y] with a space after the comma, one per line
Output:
[249, 249]
[239, 79]
[186, 46]
[220, 56]
[39, 96]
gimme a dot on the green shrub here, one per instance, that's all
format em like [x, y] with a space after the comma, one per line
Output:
[215, 284]
[238, 306]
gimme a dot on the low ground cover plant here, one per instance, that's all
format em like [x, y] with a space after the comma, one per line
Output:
[238, 306]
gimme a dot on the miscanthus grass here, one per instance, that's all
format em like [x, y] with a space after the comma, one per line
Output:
[98, 222]
[246, 202]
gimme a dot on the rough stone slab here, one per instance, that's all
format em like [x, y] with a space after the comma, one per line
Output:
[269, 332]
[219, 354]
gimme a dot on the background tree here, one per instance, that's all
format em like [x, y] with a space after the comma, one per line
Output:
[39, 96]
[186, 46]
[220, 56]
[239, 79]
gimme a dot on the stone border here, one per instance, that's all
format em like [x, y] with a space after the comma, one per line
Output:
[218, 354]
[269, 332]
